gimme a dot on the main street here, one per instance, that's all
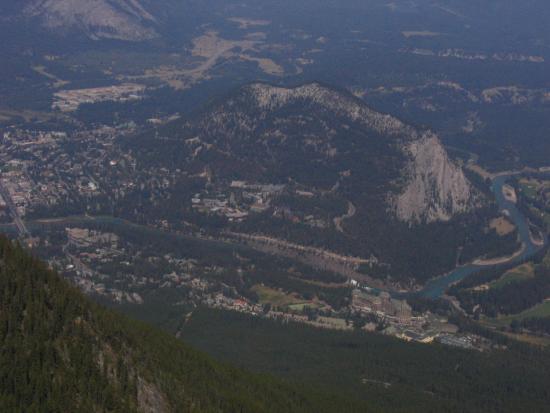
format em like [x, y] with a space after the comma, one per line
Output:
[23, 231]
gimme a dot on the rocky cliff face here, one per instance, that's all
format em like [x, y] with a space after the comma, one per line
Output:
[97, 19]
[436, 188]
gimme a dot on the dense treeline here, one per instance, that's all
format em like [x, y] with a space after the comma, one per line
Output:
[43, 326]
[61, 353]
[419, 252]
[534, 324]
[485, 275]
[484, 185]
[489, 274]
[391, 374]
[511, 298]
[492, 245]
[532, 207]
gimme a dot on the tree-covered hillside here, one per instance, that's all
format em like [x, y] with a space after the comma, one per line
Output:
[334, 173]
[392, 375]
[62, 353]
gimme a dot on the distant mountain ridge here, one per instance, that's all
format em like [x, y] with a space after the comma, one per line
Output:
[98, 19]
[128, 20]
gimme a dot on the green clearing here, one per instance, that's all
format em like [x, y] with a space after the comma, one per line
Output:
[530, 339]
[334, 322]
[520, 273]
[538, 311]
[278, 298]
[320, 283]
[275, 297]
[302, 306]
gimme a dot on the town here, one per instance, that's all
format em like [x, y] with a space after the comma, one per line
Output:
[50, 177]
[104, 264]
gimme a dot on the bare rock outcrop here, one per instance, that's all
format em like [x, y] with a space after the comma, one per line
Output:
[436, 188]
[97, 19]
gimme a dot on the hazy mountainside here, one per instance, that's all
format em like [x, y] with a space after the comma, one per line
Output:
[127, 20]
[325, 138]
[61, 353]
[109, 19]
[447, 63]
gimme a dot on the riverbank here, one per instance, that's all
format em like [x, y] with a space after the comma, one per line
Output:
[499, 260]
[436, 287]
[326, 260]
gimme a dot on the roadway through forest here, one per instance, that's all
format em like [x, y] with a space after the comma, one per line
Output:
[338, 221]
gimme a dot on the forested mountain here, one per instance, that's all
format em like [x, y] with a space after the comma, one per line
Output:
[323, 138]
[62, 353]
[405, 198]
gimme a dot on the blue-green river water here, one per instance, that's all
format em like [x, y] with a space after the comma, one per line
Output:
[437, 286]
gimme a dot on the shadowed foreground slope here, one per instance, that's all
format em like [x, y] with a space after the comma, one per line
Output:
[62, 353]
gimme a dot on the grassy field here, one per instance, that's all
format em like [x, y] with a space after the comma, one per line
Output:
[300, 306]
[520, 273]
[530, 339]
[538, 311]
[339, 323]
[320, 283]
[276, 298]
[289, 301]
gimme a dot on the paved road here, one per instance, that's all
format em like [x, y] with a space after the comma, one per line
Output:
[23, 231]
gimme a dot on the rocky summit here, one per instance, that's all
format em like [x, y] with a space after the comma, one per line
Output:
[97, 19]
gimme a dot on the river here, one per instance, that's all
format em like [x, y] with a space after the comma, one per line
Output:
[438, 286]
[433, 288]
